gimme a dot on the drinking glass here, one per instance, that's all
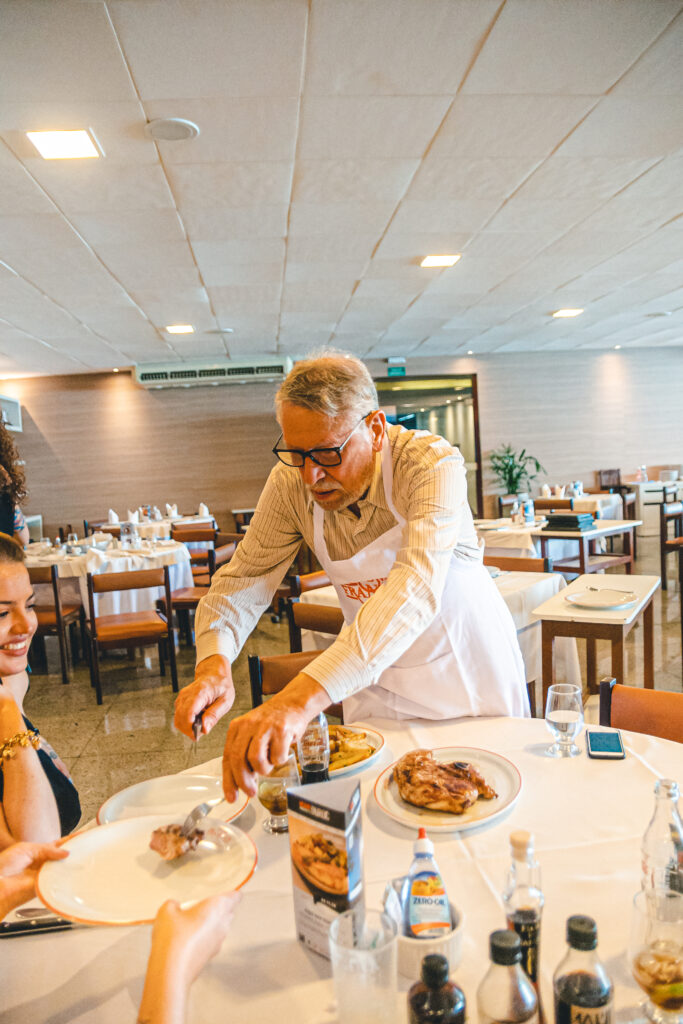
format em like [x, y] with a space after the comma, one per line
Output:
[272, 793]
[363, 950]
[72, 538]
[564, 718]
[313, 750]
[656, 953]
[46, 542]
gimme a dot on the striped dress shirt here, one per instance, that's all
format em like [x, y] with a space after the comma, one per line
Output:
[429, 491]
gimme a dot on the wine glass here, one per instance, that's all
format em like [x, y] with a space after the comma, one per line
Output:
[313, 750]
[656, 952]
[564, 718]
[272, 793]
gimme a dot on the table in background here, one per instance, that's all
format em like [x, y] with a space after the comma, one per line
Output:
[584, 539]
[161, 528]
[559, 619]
[516, 540]
[649, 496]
[521, 592]
[73, 570]
[587, 816]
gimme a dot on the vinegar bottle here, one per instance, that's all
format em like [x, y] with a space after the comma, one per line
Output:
[435, 999]
[662, 847]
[582, 988]
[506, 994]
[523, 898]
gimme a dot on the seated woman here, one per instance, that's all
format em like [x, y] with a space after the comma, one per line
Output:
[38, 800]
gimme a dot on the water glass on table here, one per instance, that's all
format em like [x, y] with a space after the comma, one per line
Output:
[272, 793]
[656, 953]
[363, 950]
[564, 718]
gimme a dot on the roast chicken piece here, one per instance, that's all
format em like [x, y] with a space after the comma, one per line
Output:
[170, 843]
[425, 782]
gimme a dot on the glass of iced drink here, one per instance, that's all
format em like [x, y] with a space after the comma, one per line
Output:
[656, 953]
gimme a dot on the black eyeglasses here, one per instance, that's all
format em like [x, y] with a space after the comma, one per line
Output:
[295, 458]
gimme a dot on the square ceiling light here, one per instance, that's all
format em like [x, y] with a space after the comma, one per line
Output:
[71, 145]
[180, 329]
[446, 260]
[561, 314]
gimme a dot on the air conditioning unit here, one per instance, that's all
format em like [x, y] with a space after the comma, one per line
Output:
[199, 374]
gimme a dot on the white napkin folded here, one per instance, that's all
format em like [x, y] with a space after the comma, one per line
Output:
[203, 509]
[112, 516]
[171, 510]
[559, 491]
[133, 517]
[545, 491]
[156, 514]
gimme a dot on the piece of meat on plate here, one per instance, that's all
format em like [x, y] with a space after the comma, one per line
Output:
[425, 782]
[170, 843]
[465, 770]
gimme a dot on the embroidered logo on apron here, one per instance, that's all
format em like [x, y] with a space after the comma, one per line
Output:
[362, 591]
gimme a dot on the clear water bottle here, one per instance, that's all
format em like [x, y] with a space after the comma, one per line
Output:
[662, 846]
[523, 899]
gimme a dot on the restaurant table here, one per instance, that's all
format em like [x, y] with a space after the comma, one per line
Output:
[587, 816]
[649, 496]
[73, 570]
[521, 592]
[559, 619]
[504, 538]
[161, 528]
[588, 559]
[610, 506]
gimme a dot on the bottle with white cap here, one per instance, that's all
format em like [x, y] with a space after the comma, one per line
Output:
[426, 911]
[523, 899]
[662, 846]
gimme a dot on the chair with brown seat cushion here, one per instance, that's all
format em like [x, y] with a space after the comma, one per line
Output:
[298, 585]
[54, 619]
[130, 629]
[670, 515]
[653, 712]
[510, 563]
[199, 559]
[271, 674]
[185, 599]
[553, 504]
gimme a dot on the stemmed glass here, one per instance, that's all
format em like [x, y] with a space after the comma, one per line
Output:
[656, 953]
[272, 793]
[564, 718]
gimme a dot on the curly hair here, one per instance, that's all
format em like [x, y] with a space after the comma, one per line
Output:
[13, 480]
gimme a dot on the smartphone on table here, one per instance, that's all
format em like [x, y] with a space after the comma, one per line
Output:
[605, 745]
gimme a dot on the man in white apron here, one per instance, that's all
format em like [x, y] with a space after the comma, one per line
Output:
[426, 635]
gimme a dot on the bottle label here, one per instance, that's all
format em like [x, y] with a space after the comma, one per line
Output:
[527, 924]
[569, 1013]
[428, 912]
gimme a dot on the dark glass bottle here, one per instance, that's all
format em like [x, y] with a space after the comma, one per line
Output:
[506, 994]
[523, 898]
[582, 988]
[435, 999]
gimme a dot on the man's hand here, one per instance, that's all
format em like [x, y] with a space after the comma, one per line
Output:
[18, 869]
[211, 695]
[259, 740]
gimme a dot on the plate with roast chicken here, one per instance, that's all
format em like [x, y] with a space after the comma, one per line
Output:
[448, 789]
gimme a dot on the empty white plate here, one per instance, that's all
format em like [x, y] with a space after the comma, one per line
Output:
[603, 599]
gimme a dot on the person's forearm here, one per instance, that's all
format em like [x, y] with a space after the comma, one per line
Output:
[28, 803]
[303, 694]
[164, 997]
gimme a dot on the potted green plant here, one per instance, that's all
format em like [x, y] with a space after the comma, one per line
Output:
[511, 469]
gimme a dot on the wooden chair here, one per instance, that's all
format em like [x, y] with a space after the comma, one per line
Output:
[553, 504]
[299, 616]
[653, 712]
[185, 599]
[54, 619]
[101, 526]
[130, 629]
[506, 502]
[199, 558]
[271, 674]
[514, 564]
[670, 514]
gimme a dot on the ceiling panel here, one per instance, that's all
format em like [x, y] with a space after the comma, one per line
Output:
[206, 186]
[637, 126]
[342, 181]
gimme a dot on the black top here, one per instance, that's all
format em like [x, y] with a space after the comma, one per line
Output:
[6, 513]
[65, 793]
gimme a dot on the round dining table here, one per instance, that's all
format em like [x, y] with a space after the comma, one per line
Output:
[587, 816]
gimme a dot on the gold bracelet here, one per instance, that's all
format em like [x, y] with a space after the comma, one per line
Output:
[21, 739]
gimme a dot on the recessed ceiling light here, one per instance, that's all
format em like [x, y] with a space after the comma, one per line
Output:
[180, 329]
[115, 370]
[563, 313]
[617, 346]
[71, 145]
[441, 261]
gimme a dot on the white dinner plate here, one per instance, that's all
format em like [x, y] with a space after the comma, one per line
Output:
[498, 772]
[603, 598]
[112, 877]
[374, 738]
[173, 795]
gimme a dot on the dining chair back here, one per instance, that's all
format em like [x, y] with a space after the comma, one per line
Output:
[670, 515]
[654, 712]
[194, 534]
[130, 629]
[609, 479]
[54, 619]
[271, 674]
[511, 563]
[553, 504]
[506, 503]
[308, 581]
[319, 618]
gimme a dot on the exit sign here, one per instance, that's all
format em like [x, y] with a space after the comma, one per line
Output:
[396, 371]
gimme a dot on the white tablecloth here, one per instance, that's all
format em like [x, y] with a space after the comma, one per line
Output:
[521, 592]
[73, 570]
[506, 539]
[587, 816]
[161, 528]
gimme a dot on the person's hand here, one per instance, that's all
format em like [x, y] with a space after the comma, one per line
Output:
[261, 739]
[188, 939]
[211, 695]
[19, 866]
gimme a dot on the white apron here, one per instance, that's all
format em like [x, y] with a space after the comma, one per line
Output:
[466, 663]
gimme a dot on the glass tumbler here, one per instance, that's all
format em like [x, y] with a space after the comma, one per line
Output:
[272, 794]
[656, 953]
[363, 950]
[564, 718]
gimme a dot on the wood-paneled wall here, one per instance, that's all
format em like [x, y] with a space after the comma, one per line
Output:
[96, 441]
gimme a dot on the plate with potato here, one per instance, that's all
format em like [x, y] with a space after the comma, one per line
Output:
[353, 747]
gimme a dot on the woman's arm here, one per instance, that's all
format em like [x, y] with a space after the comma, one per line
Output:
[21, 533]
[29, 808]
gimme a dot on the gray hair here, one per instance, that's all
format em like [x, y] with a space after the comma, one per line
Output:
[330, 382]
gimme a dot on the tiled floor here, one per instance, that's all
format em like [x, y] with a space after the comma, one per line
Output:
[131, 737]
